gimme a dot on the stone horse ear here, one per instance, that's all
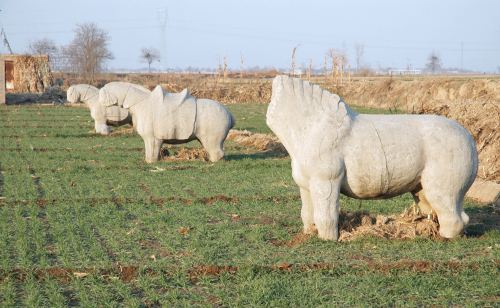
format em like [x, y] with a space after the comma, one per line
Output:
[157, 94]
[107, 99]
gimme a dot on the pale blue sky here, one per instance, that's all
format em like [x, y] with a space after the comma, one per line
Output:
[265, 32]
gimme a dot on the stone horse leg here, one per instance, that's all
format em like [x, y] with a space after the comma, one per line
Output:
[325, 194]
[212, 126]
[307, 212]
[436, 197]
[153, 148]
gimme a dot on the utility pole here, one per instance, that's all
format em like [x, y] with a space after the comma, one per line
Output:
[162, 19]
[408, 66]
[462, 56]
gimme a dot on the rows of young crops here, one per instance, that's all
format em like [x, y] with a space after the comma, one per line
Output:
[85, 221]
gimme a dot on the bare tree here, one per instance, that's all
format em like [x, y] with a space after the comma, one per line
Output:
[434, 62]
[360, 50]
[149, 55]
[89, 50]
[45, 46]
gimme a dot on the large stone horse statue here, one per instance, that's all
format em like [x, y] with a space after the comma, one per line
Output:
[336, 150]
[102, 115]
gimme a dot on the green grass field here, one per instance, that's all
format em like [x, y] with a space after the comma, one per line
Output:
[85, 222]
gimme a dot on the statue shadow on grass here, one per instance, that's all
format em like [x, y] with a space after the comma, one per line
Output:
[482, 218]
[254, 156]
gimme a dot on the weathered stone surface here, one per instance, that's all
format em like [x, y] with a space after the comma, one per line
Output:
[174, 116]
[336, 150]
[179, 118]
[101, 114]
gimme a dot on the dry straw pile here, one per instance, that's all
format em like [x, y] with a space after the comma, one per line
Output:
[407, 225]
[32, 74]
[261, 142]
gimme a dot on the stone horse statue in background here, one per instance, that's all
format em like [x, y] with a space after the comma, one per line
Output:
[102, 115]
[172, 118]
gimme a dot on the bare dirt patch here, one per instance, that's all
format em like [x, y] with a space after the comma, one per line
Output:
[130, 273]
[219, 198]
[298, 238]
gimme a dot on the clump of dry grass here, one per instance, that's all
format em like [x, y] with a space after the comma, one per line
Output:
[261, 142]
[407, 225]
[184, 154]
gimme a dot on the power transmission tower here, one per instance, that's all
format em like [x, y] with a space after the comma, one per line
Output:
[162, 18]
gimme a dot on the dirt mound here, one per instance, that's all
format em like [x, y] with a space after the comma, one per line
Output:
[482, 120]
[261, 142]
[407, 225]
[415, 94]
[226, 94]
[185, 154]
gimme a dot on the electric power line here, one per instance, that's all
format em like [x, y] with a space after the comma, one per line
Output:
[162, 24]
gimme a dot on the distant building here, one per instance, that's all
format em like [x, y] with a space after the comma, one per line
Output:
[405, 72]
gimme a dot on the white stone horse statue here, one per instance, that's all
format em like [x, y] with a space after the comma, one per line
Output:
[336, 150]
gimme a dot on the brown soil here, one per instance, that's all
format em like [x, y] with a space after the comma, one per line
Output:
[130, 273]
[219, 198]
[298, 238]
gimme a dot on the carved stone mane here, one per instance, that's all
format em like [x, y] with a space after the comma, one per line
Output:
[123, 94]
[294, 100]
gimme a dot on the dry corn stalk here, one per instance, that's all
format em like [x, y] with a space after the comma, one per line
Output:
[342, 63]
[309, 71]
[220, 69]
[225, 68]
[293, 60]
[324, 69]
[241, 69]
[349, 63]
